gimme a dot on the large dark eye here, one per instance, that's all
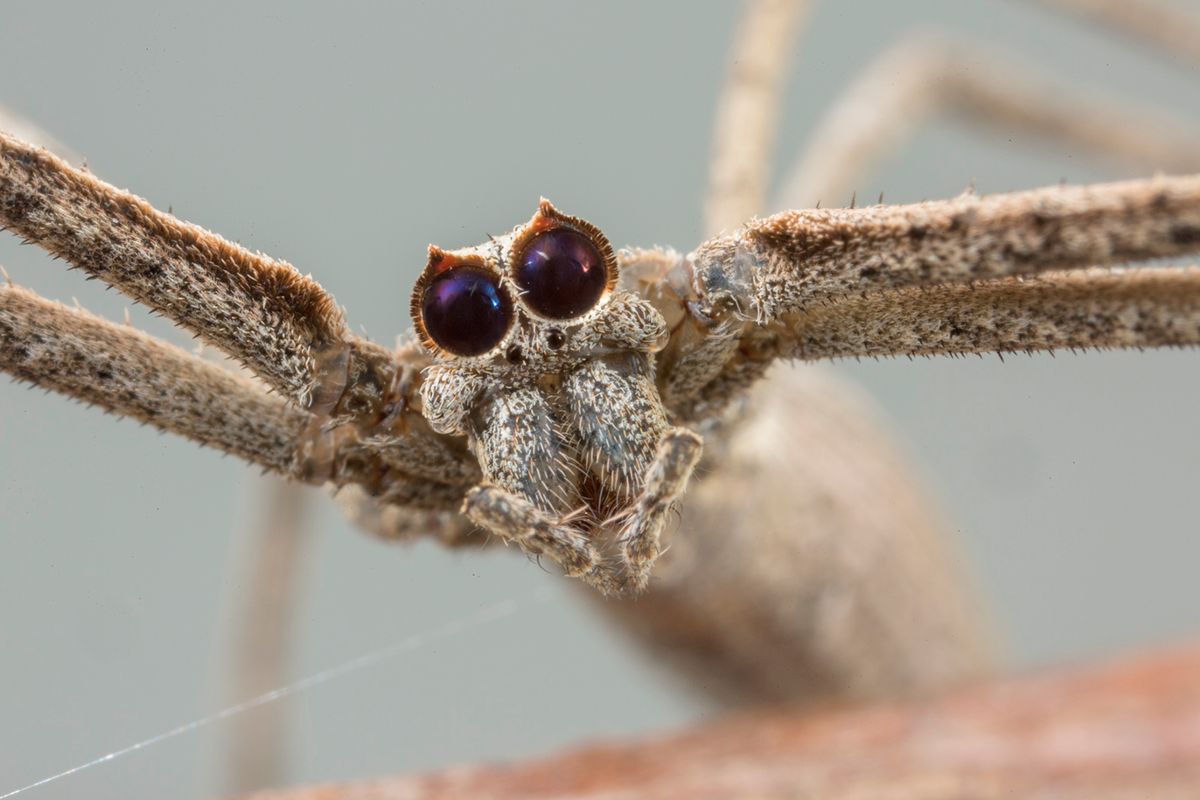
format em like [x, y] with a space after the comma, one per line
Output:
[562, 274]
[465, 311]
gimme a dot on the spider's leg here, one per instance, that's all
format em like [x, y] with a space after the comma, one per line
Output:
[131, 374]
[1059, 310]
[278, 323]
[752, 280]
[915, 76]
[797, 259]
[931, 72]
[528, 495]
[263, 630]
[746, 113]
[1159, 24]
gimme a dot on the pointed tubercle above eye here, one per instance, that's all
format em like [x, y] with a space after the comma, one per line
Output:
[438, 261]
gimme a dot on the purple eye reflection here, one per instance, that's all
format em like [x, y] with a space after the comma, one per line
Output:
[465, 311]
[562, 274]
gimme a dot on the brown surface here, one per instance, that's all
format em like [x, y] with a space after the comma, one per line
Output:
[1123, 731]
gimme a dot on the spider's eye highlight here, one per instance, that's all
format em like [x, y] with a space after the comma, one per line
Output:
[465, 311]
[561, 273]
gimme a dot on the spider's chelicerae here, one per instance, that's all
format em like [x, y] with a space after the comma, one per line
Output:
[557, 393]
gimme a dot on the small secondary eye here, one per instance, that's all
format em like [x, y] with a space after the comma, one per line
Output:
[562, 274]
[465, 311]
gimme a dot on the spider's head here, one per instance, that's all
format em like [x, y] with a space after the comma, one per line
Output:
[535, 301]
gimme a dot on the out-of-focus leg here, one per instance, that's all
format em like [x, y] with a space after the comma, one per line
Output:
[928, 73]
[263, 627]
[745, 127]
[1161, 25]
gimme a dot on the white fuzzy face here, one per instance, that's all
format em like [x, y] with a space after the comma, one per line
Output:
[538, 300]
[544, 364]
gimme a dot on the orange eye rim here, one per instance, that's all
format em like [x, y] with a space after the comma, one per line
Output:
[443, 261]
[548, 218]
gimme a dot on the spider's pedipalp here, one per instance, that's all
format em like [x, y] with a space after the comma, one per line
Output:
[515, 519]
[1060, 310]
[664, 483]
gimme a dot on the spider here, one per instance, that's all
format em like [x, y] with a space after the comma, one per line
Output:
[492, 420]
[539, 384]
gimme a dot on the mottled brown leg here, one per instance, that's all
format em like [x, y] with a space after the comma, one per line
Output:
[1150, 307]
[280, 324]
[277, 322]
[124, 371]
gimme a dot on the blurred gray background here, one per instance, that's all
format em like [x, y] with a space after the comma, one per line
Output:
[346, 139]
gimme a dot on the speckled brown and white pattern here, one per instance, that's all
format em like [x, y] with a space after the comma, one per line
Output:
[1069, 310]
[257, 309]
[122, 370]
[572, 416]
[522, 448]
[798, 258]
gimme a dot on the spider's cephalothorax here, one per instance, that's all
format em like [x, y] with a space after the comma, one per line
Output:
[548, 369]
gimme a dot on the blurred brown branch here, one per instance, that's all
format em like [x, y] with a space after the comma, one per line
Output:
[1121, 731]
